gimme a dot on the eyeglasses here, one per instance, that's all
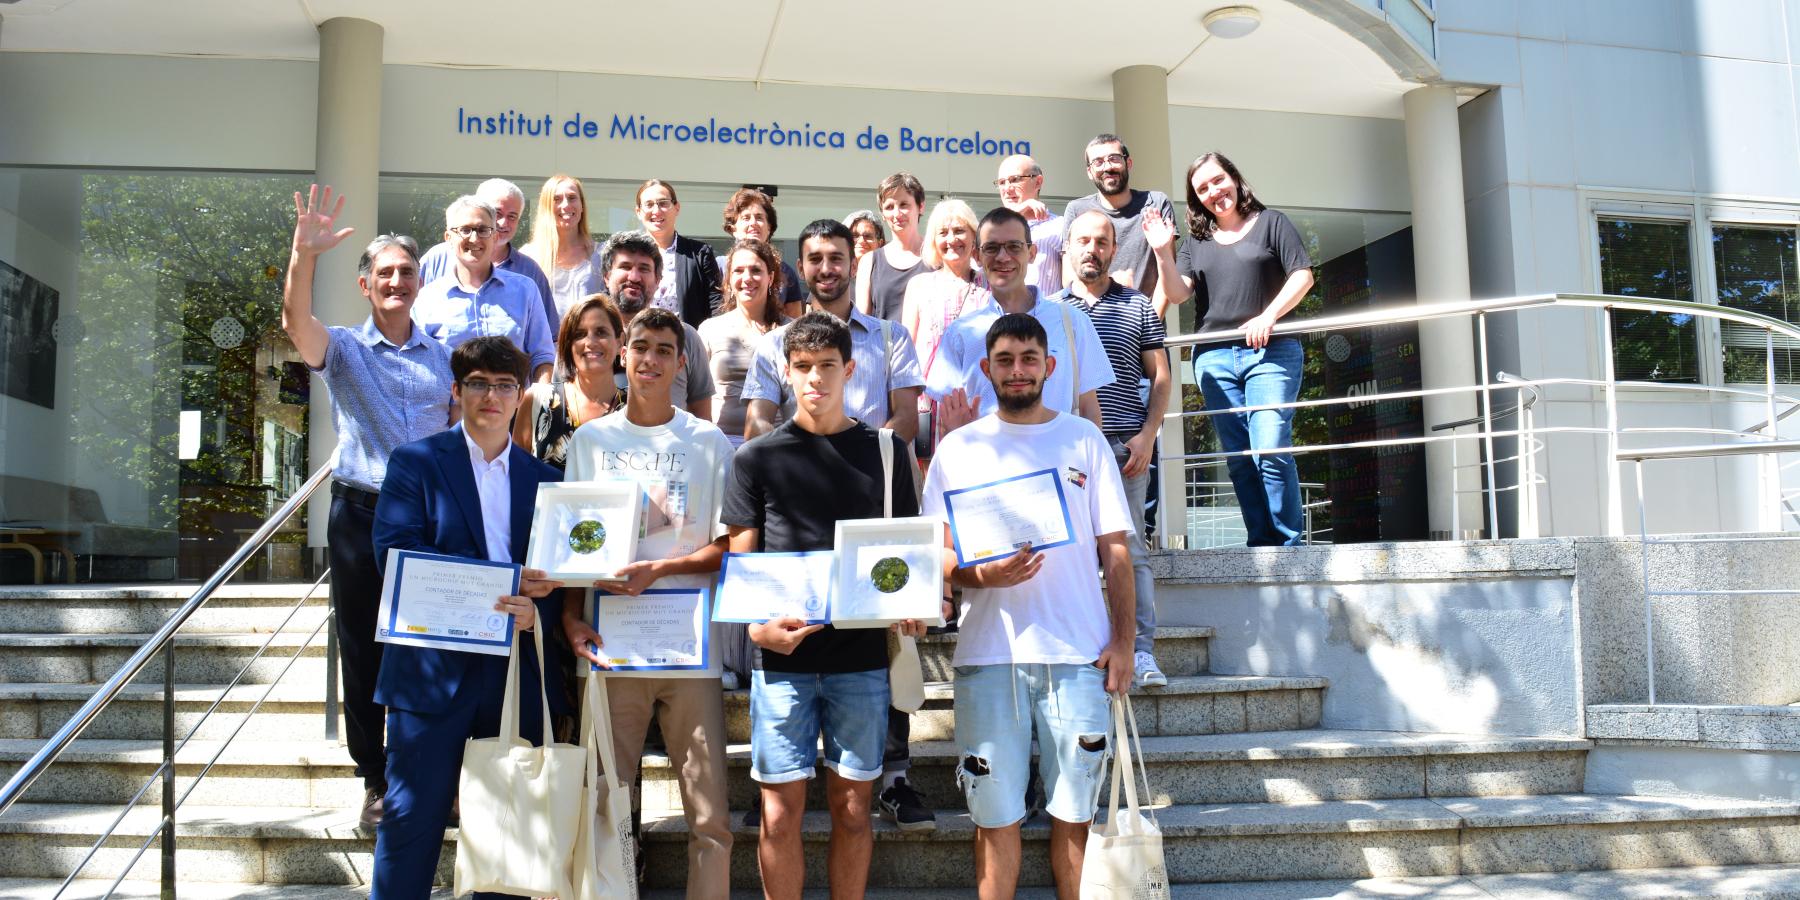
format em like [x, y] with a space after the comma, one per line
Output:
[1011, 180]
[505, 390]
[472, 231]
[651, 205]
[1110, 159]
[1012, 248]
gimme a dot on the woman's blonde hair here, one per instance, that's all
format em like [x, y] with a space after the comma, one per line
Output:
[545, 243]
[945, 212]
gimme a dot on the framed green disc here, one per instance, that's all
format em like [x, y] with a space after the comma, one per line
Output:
[890, 574]
[588, 536]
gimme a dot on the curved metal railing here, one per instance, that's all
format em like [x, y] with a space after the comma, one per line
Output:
[1777, 405]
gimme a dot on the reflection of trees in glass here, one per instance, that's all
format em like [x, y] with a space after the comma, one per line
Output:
[1754, 268]
[1644, 258]
[166, 257]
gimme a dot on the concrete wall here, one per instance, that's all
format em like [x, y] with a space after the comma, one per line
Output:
[1693, 772]
[1453, 637]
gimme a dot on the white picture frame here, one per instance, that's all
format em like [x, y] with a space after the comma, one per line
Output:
[615, 507]
[862, 545]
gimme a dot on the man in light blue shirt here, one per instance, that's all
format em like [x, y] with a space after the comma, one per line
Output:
[509, 204]
[478, 299]
[882, 390]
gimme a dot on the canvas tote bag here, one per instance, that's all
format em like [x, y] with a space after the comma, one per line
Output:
[906, 680]
[605, 867]
[1124, 859]
[519, 802]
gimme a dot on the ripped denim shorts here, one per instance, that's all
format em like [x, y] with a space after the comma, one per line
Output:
[996, 708]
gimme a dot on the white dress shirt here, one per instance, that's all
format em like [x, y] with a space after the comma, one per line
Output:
[495, 487]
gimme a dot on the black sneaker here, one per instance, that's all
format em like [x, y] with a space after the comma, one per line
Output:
[903, 806]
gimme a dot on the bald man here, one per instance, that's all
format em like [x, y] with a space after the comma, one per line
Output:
[1020, 180]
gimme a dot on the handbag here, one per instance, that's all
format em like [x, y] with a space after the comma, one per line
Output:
[906, 679]
[1124, 857]
[519, 803]
[605, 867]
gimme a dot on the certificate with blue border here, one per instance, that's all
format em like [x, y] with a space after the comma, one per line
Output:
[446, 603]
[757, 587]
[991, 521]
[659, 630]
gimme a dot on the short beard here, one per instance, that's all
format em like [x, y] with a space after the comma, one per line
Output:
[1019, 403]
[629, 308]
[842, 286]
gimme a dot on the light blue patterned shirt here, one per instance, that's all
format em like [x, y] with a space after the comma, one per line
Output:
[866, 393]
[506, 305]
[382, 396]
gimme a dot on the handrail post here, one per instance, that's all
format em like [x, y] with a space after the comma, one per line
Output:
[1771, 463]
[1615, 510]
[1487, 429]
[1455, 486]
[1644, 553]
[168, 786]
[331, 671]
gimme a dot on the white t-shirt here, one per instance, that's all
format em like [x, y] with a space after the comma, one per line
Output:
[1059, 616]
[681, 466]
[965, 345]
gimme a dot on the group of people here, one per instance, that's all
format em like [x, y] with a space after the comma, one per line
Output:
[750, 396]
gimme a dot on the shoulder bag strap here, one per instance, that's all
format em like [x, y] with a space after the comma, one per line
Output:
[865, 274]
[1074, 360]
[887, 472]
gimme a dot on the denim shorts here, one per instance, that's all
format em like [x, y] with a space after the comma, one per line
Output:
[996, 707]
[790, 710]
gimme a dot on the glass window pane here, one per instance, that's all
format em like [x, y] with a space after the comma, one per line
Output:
[1645, 258]
[1755, 273]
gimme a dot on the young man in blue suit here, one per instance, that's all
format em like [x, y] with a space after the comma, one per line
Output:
[467, 492]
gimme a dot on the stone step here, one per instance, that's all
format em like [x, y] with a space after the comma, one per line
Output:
[1190, 704]
[1270, 767]
[249, 773]
[294, 710]
[1179, 649]
[102, 609]
[1336, 839]
[73, 658]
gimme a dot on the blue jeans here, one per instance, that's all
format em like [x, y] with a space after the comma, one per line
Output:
[1268, 484]
[996, 707]
[789, 711]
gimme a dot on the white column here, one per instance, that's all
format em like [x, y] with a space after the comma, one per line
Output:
[347, 156]
[1141, 120]
[1441, 270]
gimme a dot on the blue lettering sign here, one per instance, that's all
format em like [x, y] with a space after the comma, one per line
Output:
[807, 136]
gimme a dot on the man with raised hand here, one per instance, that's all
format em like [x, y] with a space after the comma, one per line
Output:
[957, 383]
[478, 298]
[787, 492]
[680, 460]
[390, 383]
[1038, 643]
[1109, 168]
[509, 204]
[631, 264]
[1132, 334]
[1020, 181]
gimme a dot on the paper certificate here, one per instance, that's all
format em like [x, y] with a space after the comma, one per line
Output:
[446, 602]
[757, 587]
[990, 521]
[665, 629]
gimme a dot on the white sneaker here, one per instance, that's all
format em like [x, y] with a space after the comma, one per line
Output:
[1148, 674]
[728, 680]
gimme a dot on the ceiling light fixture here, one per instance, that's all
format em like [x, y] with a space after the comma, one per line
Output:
[1232, 21]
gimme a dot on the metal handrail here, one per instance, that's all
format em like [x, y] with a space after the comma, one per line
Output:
[28, 773]
[1702, 451]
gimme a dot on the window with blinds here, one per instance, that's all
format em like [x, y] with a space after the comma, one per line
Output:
[1650, 258]
[1754, 268]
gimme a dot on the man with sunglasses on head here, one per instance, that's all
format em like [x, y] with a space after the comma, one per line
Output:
[480, 299]
[390, 384]
[1109, 168]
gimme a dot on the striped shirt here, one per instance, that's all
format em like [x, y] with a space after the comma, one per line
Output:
[382, 396]
[866, 392]
[1046, 271]
[1128, 329]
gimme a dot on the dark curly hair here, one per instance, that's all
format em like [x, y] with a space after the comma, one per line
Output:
[1200, 219]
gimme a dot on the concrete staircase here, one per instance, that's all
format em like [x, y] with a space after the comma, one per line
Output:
[1259, 801]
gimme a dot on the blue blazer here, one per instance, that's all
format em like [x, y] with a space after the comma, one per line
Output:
[429, 503]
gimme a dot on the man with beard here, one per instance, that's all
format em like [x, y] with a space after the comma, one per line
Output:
[1109, 168]
[1038, 645]
[390, 384]
[963, 393]
[1132, 334]
[1020, 181]
[632, 263]
[509, 203]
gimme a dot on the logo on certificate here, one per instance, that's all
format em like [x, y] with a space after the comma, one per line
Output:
[495, 621]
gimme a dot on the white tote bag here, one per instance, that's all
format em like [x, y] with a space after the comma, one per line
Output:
[519, 803]
[605, 868]
[1124, 859]
[906, 678]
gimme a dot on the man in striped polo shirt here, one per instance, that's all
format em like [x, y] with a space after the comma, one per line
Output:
[1133, 335]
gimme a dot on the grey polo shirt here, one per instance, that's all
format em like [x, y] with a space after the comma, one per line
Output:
[382, 396]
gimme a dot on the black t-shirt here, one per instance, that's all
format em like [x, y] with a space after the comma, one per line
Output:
[1234, 283]
[795, 486]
